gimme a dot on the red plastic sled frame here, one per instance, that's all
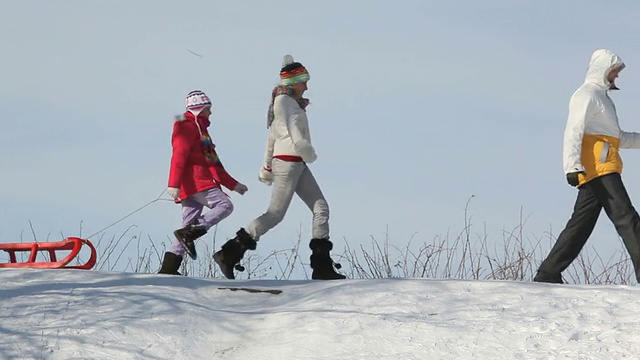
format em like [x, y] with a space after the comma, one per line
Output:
[72, 243]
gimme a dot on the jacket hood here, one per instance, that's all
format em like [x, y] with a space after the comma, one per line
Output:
[601, 64]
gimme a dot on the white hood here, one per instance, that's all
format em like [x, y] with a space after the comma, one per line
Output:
[593, 121]
[601, 64]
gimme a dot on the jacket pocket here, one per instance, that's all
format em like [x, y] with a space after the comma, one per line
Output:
[604, 153]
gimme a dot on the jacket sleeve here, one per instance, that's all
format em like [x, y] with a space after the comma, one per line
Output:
[580, 109]
[268, 151]
[629, 140]
[181, 147]
[221, 175]
[298, 130]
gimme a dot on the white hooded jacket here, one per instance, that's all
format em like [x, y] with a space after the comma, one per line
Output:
[592, 135]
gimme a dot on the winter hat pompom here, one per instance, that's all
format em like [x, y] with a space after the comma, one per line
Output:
[288, 59]
[292, 72]
[196, 100]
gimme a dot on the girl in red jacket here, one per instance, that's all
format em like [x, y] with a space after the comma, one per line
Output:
[195, 178]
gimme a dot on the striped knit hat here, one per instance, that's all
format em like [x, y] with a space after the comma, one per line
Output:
[292, 72]
[196, 101]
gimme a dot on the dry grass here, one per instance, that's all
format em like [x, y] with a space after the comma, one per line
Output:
[467, 254]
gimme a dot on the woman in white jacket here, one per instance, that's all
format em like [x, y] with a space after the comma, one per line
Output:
[592, 163]
[287, 154]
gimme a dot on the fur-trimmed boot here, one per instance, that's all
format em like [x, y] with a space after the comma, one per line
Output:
[232, 252]
[188, 235]
[321, 261]
[170, 264]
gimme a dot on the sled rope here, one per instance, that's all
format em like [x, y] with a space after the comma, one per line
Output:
[129, 214]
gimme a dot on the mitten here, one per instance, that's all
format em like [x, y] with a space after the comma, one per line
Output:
[173, 192]
[310, 156]
[241, 188]
[266, 176]
[572, 178]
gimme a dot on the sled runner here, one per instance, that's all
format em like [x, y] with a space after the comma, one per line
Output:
[73, 244]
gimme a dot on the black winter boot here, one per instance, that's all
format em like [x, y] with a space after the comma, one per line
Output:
[188, 234]
[543, 276]
[321, 261]
[232, 252]
[170, 264]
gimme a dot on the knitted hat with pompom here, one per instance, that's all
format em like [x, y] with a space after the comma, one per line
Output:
[292, 72]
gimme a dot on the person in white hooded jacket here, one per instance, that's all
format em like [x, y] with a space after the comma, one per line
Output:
[287, 153]
[592, 163]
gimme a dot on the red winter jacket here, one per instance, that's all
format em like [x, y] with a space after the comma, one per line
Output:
[195, 165]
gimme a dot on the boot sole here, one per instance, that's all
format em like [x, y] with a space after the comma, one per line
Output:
[330, 277]
[192, 254]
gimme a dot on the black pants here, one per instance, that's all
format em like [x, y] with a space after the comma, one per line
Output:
[606, 192]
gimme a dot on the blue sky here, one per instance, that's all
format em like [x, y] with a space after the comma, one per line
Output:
[416, 106]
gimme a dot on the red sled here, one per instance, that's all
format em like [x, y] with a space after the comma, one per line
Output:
[72, 243]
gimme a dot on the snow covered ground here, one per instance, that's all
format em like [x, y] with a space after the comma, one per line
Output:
[74, 314]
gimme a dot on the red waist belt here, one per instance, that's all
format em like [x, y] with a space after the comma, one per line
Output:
[290, 158]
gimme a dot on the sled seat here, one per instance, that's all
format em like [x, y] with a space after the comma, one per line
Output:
[72, 243]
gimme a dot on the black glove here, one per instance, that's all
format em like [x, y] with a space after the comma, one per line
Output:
[572, 178]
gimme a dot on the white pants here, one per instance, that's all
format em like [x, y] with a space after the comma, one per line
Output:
[290, 178]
